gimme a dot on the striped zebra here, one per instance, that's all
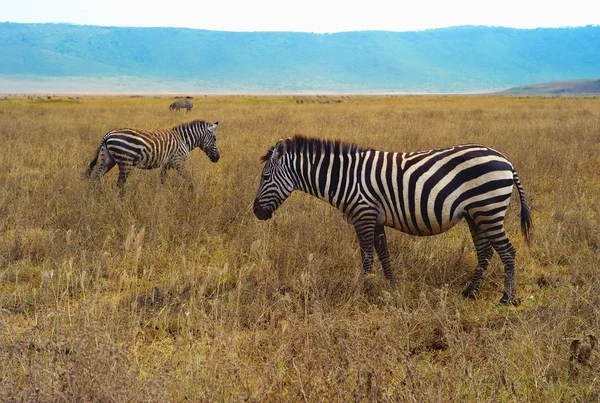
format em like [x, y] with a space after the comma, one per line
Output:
[419, 193]
[163, 149]
[182, 103]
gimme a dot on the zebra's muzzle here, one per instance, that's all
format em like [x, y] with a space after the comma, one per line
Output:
[260, 212]
[214, 158]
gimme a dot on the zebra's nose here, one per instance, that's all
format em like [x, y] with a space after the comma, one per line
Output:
[215, 158]
[260, 212]
[256, 207]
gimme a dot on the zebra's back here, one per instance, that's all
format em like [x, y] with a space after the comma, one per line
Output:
[145, 149]
[428, 192]
[181, 103]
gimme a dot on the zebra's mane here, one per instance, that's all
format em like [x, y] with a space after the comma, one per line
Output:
[299, 143]
[187, 125]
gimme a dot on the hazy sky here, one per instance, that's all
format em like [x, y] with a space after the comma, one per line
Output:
[304, 15]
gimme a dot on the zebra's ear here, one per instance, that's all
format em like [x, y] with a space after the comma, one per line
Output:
[213, 126]
[279, 150]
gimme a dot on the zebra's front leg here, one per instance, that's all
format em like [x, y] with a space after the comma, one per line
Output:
[380, 242]
[183, 172]
[365, 233]
[163, 174]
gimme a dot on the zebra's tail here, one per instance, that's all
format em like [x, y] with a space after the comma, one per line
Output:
[95, 160]
[526, 222]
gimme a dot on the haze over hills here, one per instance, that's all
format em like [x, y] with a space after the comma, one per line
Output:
[562, 87]
[75, 58]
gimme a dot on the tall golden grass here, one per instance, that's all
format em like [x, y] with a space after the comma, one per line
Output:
[167, 294]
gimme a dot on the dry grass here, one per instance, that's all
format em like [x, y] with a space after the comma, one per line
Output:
[171, 294]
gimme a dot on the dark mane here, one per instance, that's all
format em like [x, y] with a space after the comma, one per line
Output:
[300, 143]
[189, 124]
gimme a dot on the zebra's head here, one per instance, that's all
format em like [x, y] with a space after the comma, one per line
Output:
[209, 143]
[276, 182]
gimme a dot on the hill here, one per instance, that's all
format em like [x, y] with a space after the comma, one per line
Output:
[458, 59]
[563, 87]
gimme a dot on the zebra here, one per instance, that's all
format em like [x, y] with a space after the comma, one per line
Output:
[182, 103]
[419, 193]
[167, 148]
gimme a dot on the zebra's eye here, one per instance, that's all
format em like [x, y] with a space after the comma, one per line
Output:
[265, 177]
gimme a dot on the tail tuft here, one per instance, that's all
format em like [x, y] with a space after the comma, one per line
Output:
[526, 221]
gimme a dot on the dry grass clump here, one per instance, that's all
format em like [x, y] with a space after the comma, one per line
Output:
[167, 294]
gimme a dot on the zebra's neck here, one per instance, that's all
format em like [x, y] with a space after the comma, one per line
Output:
[190, 134]
[329, 173]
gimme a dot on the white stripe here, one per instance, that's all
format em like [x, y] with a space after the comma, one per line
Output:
[319, 195]
[328, 181]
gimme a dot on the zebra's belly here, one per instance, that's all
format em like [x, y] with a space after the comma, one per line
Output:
[414, 224]
[154, 165]
[145, 162]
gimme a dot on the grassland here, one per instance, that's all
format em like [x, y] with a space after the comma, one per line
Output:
[171, 294]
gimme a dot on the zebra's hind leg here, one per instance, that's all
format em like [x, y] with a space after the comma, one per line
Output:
[507, 254]
[484, 254]
[124, 171]
[365, 230]
[107, 163]
[380, 242]
[496, 235]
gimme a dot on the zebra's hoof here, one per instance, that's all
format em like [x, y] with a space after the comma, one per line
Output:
[504, 301]
[470, 293]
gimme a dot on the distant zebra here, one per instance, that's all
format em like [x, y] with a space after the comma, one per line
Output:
[163, 149]
[419, 193]
[182, 103]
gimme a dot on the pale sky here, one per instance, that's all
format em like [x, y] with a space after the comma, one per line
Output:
[318, 16]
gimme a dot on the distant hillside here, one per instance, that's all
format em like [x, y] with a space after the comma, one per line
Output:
[460, 59]
[564, 87]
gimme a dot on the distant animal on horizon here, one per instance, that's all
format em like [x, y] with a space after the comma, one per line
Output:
[149, 149]
[419, 193]
[182, 103]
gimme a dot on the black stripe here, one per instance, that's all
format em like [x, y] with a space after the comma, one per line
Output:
[369, 167]
[484, 188]
[465, 176]
[314, 152]
[334, 182]
[388, 178]
[488, 213]
[122, 144]
[352, 180]
[323, 173]
[439, 175]
[401, 192]
[345, 162]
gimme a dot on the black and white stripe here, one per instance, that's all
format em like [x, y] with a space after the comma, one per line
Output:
[180, 104]
[163, 149]
[419, 193]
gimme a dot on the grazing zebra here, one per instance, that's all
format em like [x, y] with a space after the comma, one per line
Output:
[182, 103]
[419, 193]
[163, 149]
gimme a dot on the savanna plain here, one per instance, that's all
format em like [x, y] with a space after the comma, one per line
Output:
[167, 293]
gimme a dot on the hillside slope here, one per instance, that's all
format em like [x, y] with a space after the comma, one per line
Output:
[459, 59]
[562, 87]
